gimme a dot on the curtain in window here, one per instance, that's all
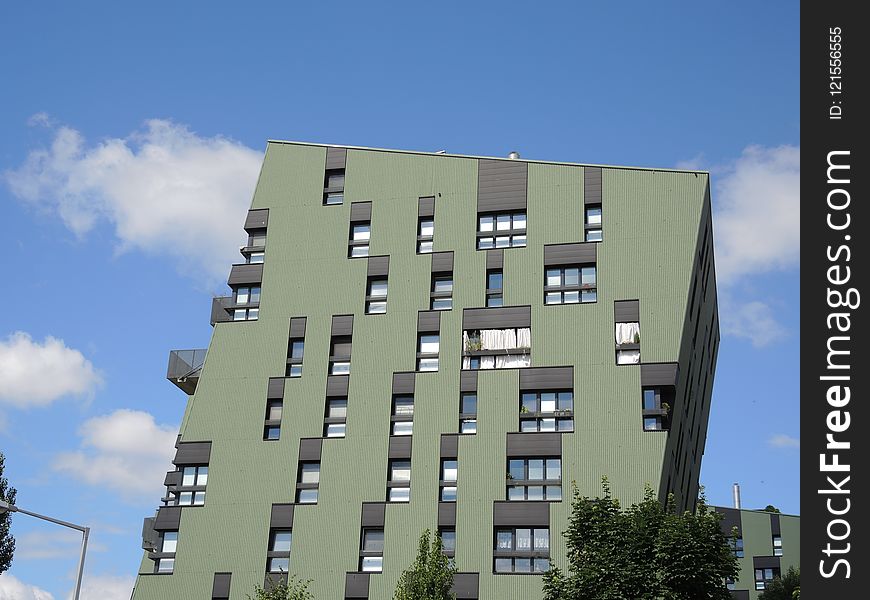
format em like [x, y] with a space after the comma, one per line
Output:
[512, 361]
[628, 357]
[487, 362]
[626, 332]
[524, 337]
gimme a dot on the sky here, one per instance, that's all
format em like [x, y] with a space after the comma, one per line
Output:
[130, 141]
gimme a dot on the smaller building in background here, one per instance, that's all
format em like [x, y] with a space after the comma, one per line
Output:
[767, 545]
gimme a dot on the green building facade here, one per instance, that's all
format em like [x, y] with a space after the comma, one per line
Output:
[420, 340]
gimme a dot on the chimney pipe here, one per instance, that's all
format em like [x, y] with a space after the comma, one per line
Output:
[736, 492]
[514, 155]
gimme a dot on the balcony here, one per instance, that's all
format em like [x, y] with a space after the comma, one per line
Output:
[184, 368]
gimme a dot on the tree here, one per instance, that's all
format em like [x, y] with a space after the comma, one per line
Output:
[647, 552]
[7, 542]
[783, 588]
[292, 589]
[770, 508]
[431, 575]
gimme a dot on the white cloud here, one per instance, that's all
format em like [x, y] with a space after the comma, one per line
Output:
[781, 440]
[756, 214]
[752, 320]
[106, 587]
[12, 588]
[165, 190]
[36, 374]
[37, 545]
[125, 451]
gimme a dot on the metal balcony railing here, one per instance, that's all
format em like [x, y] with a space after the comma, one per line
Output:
[185, 367]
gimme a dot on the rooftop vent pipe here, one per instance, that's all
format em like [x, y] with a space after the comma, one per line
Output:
[514, 155]
[736, 492]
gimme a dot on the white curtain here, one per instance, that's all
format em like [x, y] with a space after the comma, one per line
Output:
[465, 340]
[490, 339]
[628, 357]
[466, 362]
[487, 362]
[524, 338]
[626, 332]
[509, 338]
[512, 361]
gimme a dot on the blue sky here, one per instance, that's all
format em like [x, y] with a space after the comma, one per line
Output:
[112, 108]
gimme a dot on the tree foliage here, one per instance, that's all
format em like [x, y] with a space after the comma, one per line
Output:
[770, 508]
[7, 542]
[783, 588]
[431, 575]
[647, 552]
[293, 589]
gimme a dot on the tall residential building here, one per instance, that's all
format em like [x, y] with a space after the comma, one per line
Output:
[422, 340]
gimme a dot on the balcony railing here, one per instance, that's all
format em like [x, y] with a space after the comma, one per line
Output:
[185, 367]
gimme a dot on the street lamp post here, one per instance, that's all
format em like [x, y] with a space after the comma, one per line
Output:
[6, 507]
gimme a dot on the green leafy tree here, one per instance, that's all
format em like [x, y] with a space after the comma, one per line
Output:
[431, 575]
[770, 508]
[647, 552]
[783, 588]
[293, 589]
[7, 542]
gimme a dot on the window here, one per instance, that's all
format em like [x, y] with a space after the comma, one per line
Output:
[737, 547]
[502, 230]
[191, 492]
[494, 288]
[295, 350]
[570, 285]
[449, 477]
[376, 297]
[248, 295]
[402, 420]
[425, 235]
[777, 545]
[333, 187]
[246, 314]
[730, 583]
[656, 414]
[399, 481]
[594, 233]
[278, 556]
[427, 354]
[547, 411]
[468, 413]
[496, 348]
[339, 355]
[308, 483]
[627, 343]
[522, 550]
[257, 239]
[360, 234]
[534, 479]
[255, 258]
[372, 551]
[168, 545]
[272, 426]
[441, 296]
[448, 541]
[764, 577]
[335, 422]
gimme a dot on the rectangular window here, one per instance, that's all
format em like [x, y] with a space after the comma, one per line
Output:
[534, 479]
[255, 258]
[627, 335]
[402, 420]
[522, 550]
[441, 296]
[448, 541]
[165, 565]
[468, 413]
[501, 230]
[335, 422]
[372, 551]
[280, 541]
[360, 235]
[427, 353]
[656, 414]
[399, 481]
[594, 232]
[764, 577]
[425, 235]
[272, 426]
[494, 288]
[295, 351]
[376, 296]
[496, 348]
[333, 187]
[308, 483]
[777, 545]
[737, 547]
[168, 545]
[547, 411]
[570, 285]
[339, 355]
[191, 492]
[248, 295]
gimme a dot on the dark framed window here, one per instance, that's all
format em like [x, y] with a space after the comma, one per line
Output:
[521, 550]
[339, 355]
[441, 293]
[425, 235]
[508, 348]
[428, 346]
[402, 419]
[777, 545]
[468, 413]
[191, 491]
[295, 352]
[764, 577]
[399, 480]
[494, 288]
[737, 547]
[547, 410]
[376, 296]
[593, 223]
[448, 541]
[534, 479]
[278, 553]
[165, 561]
[448, 479]
[360, 236]
[570, 285]
[335, 421]
[333, 187]
[272, 425]
[501, 230]
[371, 551]
[307, 482]
[656, 413]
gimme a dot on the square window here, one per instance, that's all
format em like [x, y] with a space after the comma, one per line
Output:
[572, 297]
[494, 280]
[240, 314]
[427, 228]
[529, 425]
[442, 285]
[588, 296]
[334, 198]
[519, 241]
[593, 215]
[274, 410]
[376, 308]
[524, 539]
[295, 371]
[253, 314]
[519, 221]
[503, 222]
[281, 541]
[372, 564]
[340, 368]
[652, 423]
[542, 539]
[594, 235]
[572, 276]
[554, 469]
[337, 409]
[485, 224]
[256, 258]
[495, 300]
[272, 432]
[566, 401]
[503, 565]
[516, 493]
[297, 349]
[468, 426]
[448, 540]
[469, 404]
[427, 364]
[485, 243]
[279, 564]
[335, 179]
[403, 405]
[554, 277]
[310, 473]
[378, 288]
[307, 496]
[361, 232]
[429, 344]
[188, 476]
[448, 494]
[336, 430]
[536, 468]
[564, 424]
[198, 498]
[522, 565]
[403, 428]
[359, 251]
[255, 295]
[257, 240]
[242, 295]
[548, 402]
[165, 565]
[503, 241]
[542, 565]
[400, 494]
[373, 540]
[548, 424]
[504, 540]
[425, 247]
[400, 470]
[553, 298]
[170, 541]
[554, 492]
[587, 275]
[449, 470]
[535, 492]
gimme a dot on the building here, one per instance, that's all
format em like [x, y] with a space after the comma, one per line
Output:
[767, 545]
[422, 340]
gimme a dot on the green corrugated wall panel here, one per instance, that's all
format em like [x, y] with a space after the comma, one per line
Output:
[650, 228]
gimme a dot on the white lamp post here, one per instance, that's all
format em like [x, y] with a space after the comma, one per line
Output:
[6, 507]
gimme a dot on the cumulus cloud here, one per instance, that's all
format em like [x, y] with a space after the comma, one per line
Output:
[757, 213]
[164, 189]
[36, 374]
[125, 451]
[12, 588]
[781, 440]
[754, 321]
[106, 587]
